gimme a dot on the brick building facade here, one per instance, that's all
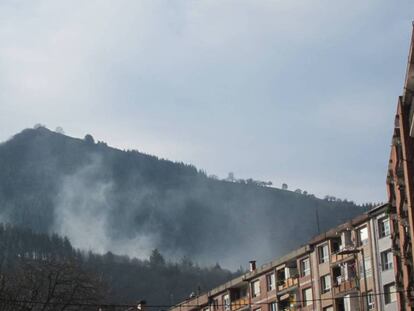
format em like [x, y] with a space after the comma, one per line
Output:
[348, 268]
[400, 190]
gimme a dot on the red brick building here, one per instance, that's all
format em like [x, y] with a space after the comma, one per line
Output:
[400, 185]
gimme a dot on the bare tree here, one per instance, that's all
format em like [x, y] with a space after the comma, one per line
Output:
[38, 285]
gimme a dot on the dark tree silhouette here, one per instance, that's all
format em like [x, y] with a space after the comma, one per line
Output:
[89, 139]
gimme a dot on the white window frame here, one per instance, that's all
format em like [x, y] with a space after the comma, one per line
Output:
[270, 281]
[384, 230]
[368, 267]
[307, 301]
[323, 256]
[371, 300]
[305, 271]
[326, 286]
[387, 261]
[390, 294]
[226, 302]
[255, 288]
[362, 232]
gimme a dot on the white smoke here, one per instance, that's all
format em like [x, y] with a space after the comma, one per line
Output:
[82, 214]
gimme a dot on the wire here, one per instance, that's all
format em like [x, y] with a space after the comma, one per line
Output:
[103, 305]
[305, 300]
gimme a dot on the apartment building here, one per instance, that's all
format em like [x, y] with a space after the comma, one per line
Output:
[382, 248]
[400, 185]
[347, 268]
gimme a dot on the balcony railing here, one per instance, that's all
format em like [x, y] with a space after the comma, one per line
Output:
[342, 255]
[287, 283]
[342, 286]
[339, 257]
[239, 303]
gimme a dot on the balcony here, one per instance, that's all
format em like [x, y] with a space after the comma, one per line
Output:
[401, 182]
[396, 250]
[407, 248]
[287, 302]
[338, 258]
[287, 276]
[239, 303]
[343, 286]
[285, 284]
[400, 171]
[395, 237]
[405, 207]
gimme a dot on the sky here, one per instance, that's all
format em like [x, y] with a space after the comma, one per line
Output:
[296, 92]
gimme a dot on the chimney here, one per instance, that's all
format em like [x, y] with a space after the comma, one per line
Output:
[252, 265]
[141, 305]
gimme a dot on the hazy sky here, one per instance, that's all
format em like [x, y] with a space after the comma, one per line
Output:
[302, 92]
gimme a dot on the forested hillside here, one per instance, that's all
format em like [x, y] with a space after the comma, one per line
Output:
[128, 202]
[38, 268]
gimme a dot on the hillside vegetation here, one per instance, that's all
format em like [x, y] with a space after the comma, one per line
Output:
[127, 202]
[44, 272]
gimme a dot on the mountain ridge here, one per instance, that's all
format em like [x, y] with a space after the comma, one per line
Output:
[106, 199]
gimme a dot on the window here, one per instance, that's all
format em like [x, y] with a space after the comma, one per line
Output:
[304, 267]
[325, 283]
[389, 293]
[346, 239]
[226, 302]
[215, 304]
[281, 277]
[336, 275]
[386, 260]
[273, 306]
[371, 302]
[270, 282]
[256, 288]
[307, 296]
[335, 245]
[363, 236]
[368, 268]
[323, 253]
[383, 227]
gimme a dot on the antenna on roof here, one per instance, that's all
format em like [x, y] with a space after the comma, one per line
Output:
[317, 220]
